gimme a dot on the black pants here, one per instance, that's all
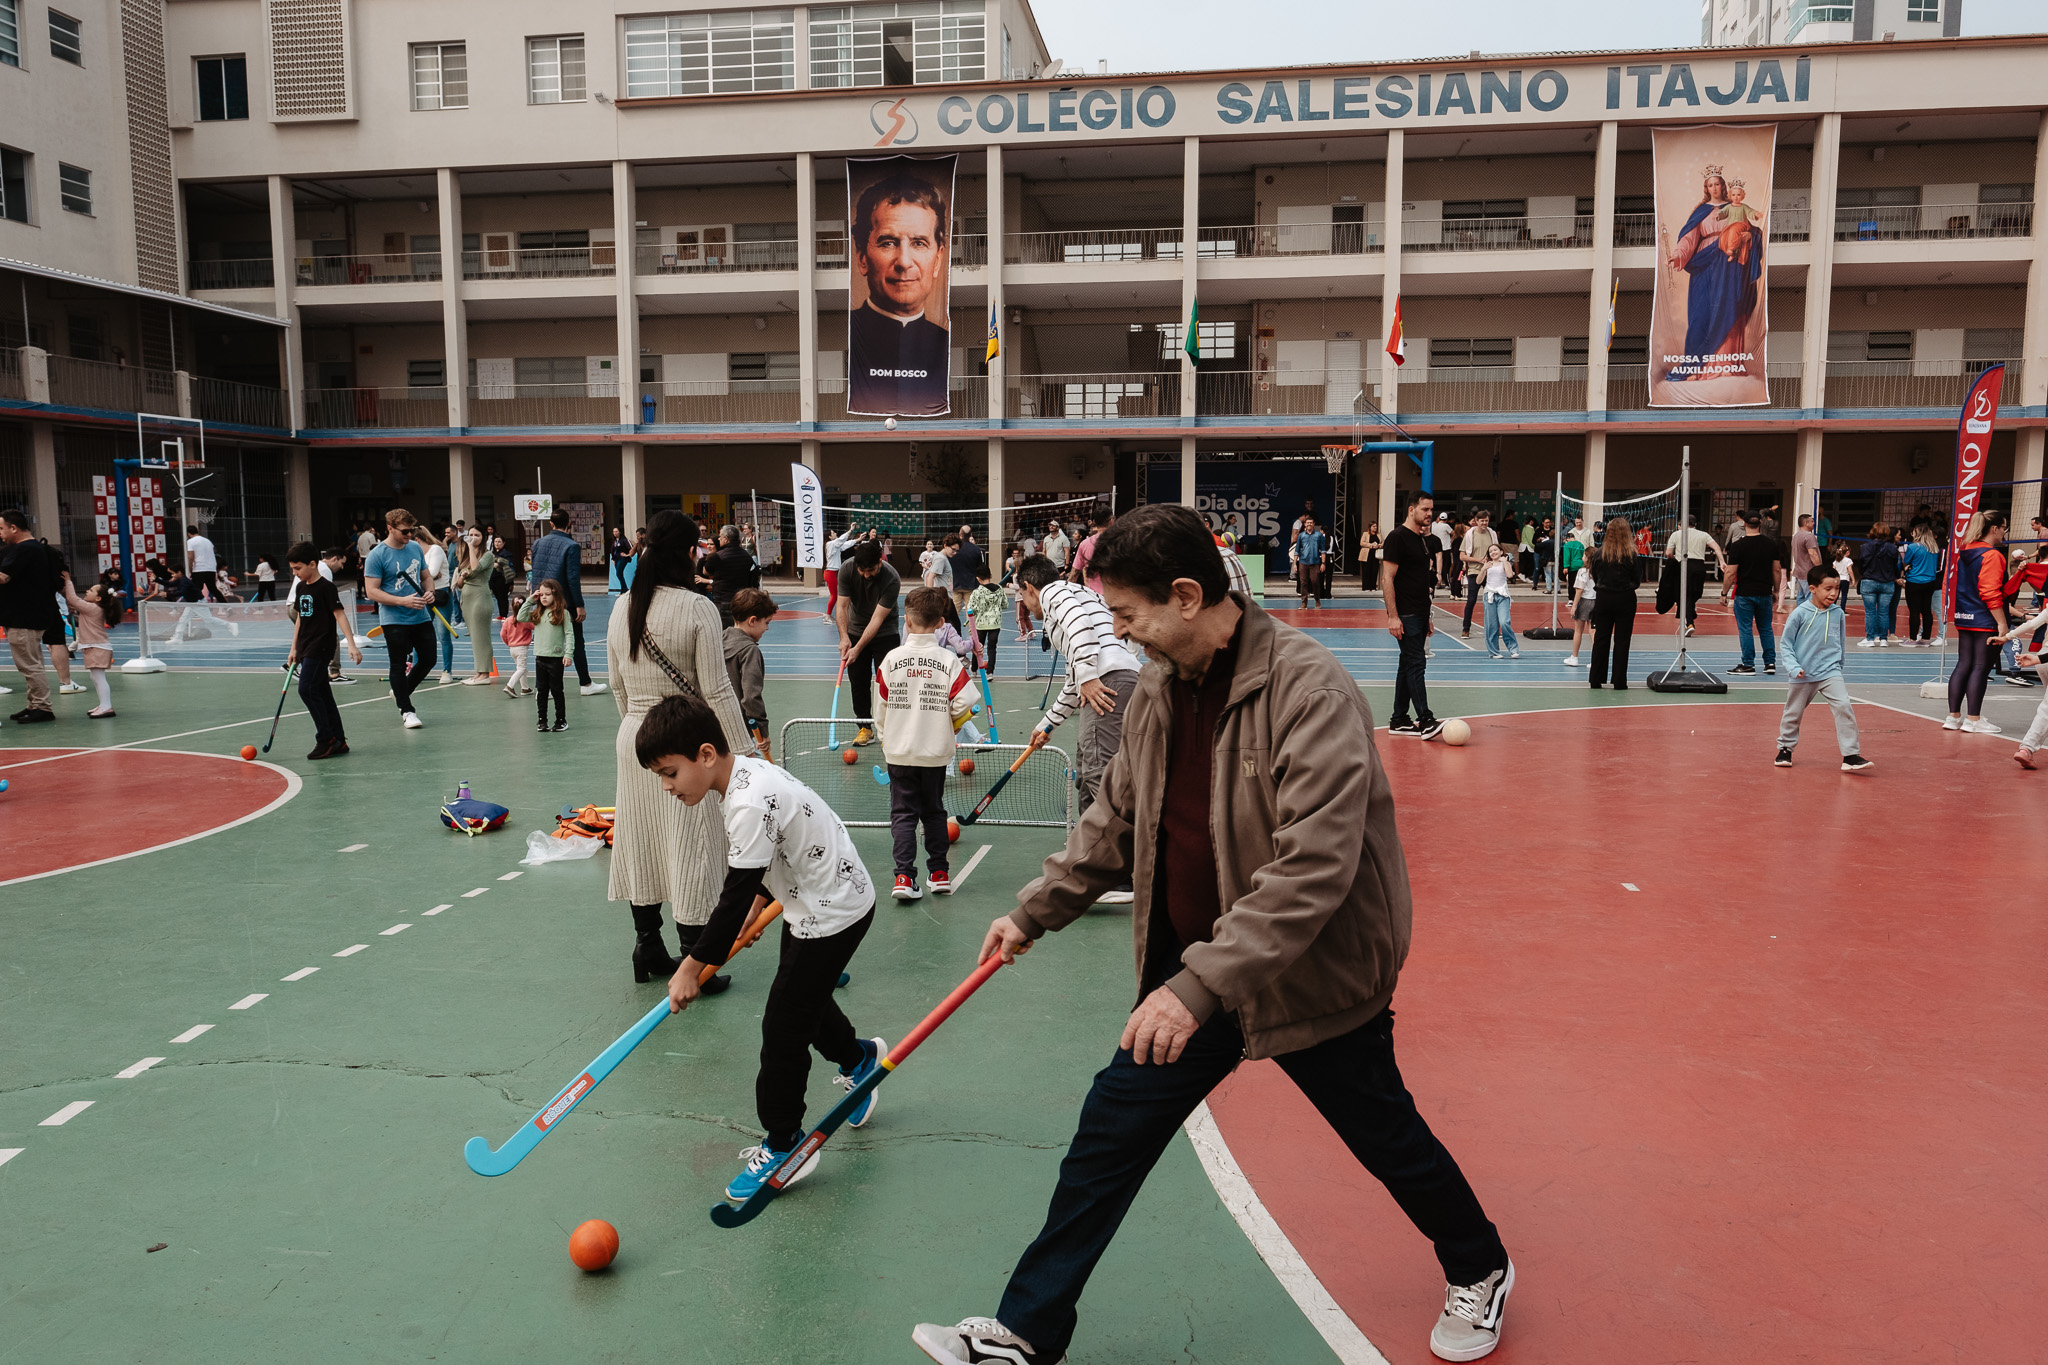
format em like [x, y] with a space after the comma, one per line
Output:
[988, 648]
[1471, 599]
[800, 1015]
[1134, 1112]
[266, 592]
[1976, 656]
[860, 675]
[319, 701]
[1409, 685]
[581, 656]
[1920, 610]
[416, 640]
[1614, 624]
[208, 582]
[917, 797]
[547, 682]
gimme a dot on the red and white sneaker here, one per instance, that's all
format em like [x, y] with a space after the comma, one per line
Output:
[941, 883]
[2022, 756]
[906, 888]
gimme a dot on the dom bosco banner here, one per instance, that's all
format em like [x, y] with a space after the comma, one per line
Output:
[898, 337]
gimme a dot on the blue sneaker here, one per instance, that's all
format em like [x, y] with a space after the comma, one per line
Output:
[847, 1080]
[761, 1163]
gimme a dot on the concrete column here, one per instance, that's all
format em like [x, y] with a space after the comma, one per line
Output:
[462, 484]
[999, 368]
[1390, 288]
[998, 502]
[1187, 471]
[1820, 270]
[625, 274]
[1390, 493]
[1602, 294]
[182, 383]
[299, 493]
[284, 274]
[633, 483]
[1593, 483]
[813, 456]
[1806, 471]
[1190, 217]
[806, 280]
[35, 374]
[454, 322]
[42, 481]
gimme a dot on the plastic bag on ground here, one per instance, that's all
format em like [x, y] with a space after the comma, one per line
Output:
[542, 847]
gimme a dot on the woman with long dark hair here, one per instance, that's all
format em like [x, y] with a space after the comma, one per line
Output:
[1879, 575]
[666, 641]
[1614, 601]
[1979, 615]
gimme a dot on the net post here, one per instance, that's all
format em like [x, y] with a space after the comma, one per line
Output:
[1554, 631]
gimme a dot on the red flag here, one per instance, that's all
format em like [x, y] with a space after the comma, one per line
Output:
[1973, 453]
[1397, 345]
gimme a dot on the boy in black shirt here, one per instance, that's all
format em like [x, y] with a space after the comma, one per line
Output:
[317, 607]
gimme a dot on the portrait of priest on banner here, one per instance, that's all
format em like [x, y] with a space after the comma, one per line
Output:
[899, 342]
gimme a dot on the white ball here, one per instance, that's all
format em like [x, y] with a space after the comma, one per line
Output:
[1456, 732]
[889, 424]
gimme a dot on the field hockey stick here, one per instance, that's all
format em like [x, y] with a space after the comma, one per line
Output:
[832, 733]
[731, 1216]
[1038, 738]
[485, 1161]
[290, 671]
[571, 812]
[988, 701]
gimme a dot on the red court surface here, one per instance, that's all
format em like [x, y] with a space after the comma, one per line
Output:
[48, 804]
[1785, 1102]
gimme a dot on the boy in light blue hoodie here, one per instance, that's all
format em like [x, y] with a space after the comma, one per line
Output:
[1816, 635]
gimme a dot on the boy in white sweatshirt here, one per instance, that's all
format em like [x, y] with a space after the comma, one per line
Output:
[925, 698]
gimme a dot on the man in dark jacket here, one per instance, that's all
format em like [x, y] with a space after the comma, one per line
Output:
[1248, 807]
[726, 571]
[28, 607]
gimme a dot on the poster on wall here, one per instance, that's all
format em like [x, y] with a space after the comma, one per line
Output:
[1256, 501]
[1708, 317]
[898, 337]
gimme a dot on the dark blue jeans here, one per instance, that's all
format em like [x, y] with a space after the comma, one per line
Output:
[1756, 612]
[1410, 687]
[1134, 1111]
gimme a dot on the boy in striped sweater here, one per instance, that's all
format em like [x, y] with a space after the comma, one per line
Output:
[925, 698]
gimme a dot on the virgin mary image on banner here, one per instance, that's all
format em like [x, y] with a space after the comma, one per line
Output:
[1708, 322]
[898, 337]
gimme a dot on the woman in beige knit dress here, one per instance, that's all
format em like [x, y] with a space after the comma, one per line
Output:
[663, 850]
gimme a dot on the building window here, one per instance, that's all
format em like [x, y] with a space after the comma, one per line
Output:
[776, 371]
[223, 88]
[67, 43]
[1806, 12]
[88, 339]
[733, 52]
[13, 185]
[440, 76]
[898, 44]
[1923, 11]
[1470, 353]
[427, 374]
[10, 32]
[1853, 348]
[1628, 352]
[1215, 340]
[1984, 347]
[561, 373]
[74, 188]
[1574, 352]
[554, 70]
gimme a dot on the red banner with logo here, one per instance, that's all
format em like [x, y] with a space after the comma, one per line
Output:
[1973, 457]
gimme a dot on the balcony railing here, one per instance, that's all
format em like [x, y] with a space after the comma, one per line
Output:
[1495, 388]
[374, 409]
[1276, 393]
[657, 259]
[1094, 397]
[538, 263]
[1286, 239]
[1542, 232]
[223, 400]
[242, 274]
[401, 267]
[115, 388]
[699, 402]
[541, 405]
[1911, 384]
[1095, 246]
[1629, 389]
[11, 383]
[968, 398]
[1926, 222]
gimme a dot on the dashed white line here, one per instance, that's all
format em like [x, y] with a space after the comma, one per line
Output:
[478, 892]
[246, 1001]
[437, 910]
[979, 854]
[352, 848]
[351, 952]
[301, 974]
[8, 1154]
[1630, 886]
[394, 929]
[66, 1114]
[132, 1072]
[189, 1034]
[511, 876]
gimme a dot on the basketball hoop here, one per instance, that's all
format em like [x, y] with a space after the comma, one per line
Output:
[1334, 457]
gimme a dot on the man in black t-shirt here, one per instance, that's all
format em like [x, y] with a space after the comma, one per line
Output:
[317, 608]
[1757, 562]
[1406, 577]
[867, 628]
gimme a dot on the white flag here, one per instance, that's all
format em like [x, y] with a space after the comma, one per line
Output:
[810, 516]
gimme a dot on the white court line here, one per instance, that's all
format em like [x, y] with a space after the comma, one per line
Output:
[966, 871]
[249, 1000]
[394, 929]
[8, 1154]
[467, 895]
[1630, 886]
[511, 876]
[189, 1034]
[437, 910]
[66, 1114]
[351, 952]
[301, 974]
[1338, 1331]
[352, 848]
[132, 1072]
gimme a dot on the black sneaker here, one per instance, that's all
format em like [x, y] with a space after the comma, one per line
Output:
[342, 680]
[1430, 729]
[1404, 726]
[542, 727]
[976, 1341]
[1771, 669]
[1743, 670]
[1784, 758]
[1856, 763]
[320, 751]
[2021, 680]
[560, 726]
[34, 717]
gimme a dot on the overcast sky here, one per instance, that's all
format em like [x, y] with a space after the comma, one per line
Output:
[1180, 35]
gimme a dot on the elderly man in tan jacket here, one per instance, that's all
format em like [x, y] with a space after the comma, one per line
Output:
[1248, 750]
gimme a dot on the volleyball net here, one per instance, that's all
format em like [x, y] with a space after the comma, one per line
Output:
[1845, 516]
[907, 522]
[816, 750]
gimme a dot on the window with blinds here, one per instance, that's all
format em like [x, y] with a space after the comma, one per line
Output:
[554, 70]
[440, 76]
[74, 188]
[67, 39]
[10, 32]
[732, 52]
[898, 44]
[1471, 353]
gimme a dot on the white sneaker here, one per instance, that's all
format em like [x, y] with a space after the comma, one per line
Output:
[1884, 642]
[1470, 1325]
[413, 721]
[592, 689]
[1123, 895]
[1573, 660]
[1981, 727]
[975, 1341]
[1952, 723]
[1866, 644]
[1514, 654]
[5, 690]
[72, 687]
[445, 679]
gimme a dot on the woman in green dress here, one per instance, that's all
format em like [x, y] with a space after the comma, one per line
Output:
[473, 580]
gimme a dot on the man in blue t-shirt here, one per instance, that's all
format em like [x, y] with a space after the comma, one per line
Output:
[1309, 548]
[395, 578]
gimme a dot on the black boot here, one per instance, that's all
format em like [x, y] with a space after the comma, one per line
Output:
[689, 934]
[650, 954]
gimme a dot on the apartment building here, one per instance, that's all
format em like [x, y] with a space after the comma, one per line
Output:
[1753, 23]
[463, 252]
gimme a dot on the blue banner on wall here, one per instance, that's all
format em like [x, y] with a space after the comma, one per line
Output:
[1256, 500]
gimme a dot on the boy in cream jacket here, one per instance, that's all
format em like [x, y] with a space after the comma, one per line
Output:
[925, 698]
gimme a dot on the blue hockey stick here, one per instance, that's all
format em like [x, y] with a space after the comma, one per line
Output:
[988, 702]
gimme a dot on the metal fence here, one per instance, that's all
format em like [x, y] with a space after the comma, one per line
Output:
[377, 408]
[968, 396]
[12, 385]
[223, 400]
[815, 750]
[1540, 232]
[116, 388]
[1908, 383]
[1629, 390]
[655, 258]
[541, 405]
[1094, 246]
[538, 263]
[242, 274]
[1495, 388]
[687, 402]
[1923, 222]
[397, 267]
[1094, 397]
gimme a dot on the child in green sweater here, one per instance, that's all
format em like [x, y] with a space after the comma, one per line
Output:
[547, 611]
[985, 611]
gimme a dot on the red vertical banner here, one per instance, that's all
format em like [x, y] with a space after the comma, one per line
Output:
[1973, 456]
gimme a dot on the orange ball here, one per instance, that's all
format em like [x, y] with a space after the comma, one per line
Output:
[952, 831]
[851, 756]
[966, 767]
[593, 1245]
[248, 751]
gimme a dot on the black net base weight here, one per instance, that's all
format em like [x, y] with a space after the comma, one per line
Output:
[1042, 793]
[1685, 678]
[1548, 633]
